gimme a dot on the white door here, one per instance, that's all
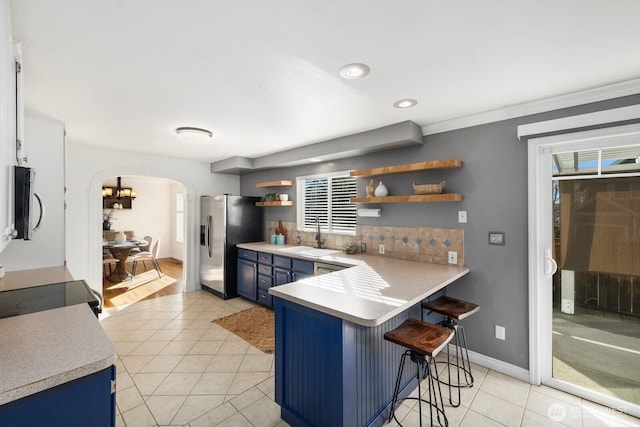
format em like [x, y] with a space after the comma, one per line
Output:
[584, 264]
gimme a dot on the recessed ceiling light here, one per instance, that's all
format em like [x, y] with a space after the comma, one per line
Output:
[194, 135]
[354, 71]
[405, 103]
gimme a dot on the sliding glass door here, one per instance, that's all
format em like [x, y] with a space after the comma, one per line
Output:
[588, 285]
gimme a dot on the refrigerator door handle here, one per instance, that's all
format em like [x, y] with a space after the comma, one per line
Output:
[209, 226]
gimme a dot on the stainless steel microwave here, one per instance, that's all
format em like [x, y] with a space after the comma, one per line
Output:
[24, 196]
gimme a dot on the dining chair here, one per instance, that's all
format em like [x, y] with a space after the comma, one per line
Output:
[143, 248]
[147, 256]
[107, 261]
[109, 234]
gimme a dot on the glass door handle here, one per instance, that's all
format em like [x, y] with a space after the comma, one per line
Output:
[550, 264]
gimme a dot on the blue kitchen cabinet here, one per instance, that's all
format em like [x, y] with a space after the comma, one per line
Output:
[281, 270]
[281, 276]
[301, 269]
[265, 278]
[247, 285]
[259, 271]
[86, 401]
[331, 372]
[287, 270]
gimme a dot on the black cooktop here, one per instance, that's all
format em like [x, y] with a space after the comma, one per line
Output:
[39, 298]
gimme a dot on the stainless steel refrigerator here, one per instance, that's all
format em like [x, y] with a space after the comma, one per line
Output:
[225, 221]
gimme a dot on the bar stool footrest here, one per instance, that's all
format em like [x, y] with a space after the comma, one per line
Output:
[466, 371]
[433, 405]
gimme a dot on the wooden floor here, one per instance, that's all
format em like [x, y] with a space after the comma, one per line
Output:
[115, 295]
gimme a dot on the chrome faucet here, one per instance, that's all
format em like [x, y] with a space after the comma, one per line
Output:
[320, 242]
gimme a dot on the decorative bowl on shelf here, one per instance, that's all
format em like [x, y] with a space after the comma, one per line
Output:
[428, 188]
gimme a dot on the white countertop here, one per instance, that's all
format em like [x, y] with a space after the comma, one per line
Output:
[371, 292]
[34, 277]
[48, 348]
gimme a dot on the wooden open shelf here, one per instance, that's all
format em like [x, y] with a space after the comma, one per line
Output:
[409, 199]
[275, 203]
[411, 167]
[408, 168]
[280, 183]
[107, 202]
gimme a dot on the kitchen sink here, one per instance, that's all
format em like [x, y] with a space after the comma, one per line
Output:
[309, 251]
[297, 249]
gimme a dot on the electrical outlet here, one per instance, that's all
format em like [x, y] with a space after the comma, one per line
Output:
[363, 248]
[501, 333]
[462, 217]
[453, 257]
[381, 249]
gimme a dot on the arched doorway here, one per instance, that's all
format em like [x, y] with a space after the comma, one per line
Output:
[94, 211]
[149, 207]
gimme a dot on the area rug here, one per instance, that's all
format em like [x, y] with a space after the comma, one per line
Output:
[254, 325]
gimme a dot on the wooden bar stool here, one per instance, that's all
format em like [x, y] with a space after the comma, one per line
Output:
[423, 341]
[453, 310]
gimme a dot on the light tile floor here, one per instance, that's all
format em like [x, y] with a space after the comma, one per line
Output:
[177, 368]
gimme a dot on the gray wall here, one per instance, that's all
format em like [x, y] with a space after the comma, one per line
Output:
[493, 182]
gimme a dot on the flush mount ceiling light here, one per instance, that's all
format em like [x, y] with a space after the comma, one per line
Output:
[405, 103]
[194, 135]
[354, 71]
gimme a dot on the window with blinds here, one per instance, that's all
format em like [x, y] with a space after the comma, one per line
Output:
[325, 198]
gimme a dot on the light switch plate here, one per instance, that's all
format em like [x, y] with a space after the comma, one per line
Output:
[496, 238]
[501, 333]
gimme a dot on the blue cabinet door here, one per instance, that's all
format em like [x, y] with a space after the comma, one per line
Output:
[86, 401]
[264, 298]
[248, 279]
[281, 276]
[301, 269]
[287, 270]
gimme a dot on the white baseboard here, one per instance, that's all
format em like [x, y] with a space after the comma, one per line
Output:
[499, 366]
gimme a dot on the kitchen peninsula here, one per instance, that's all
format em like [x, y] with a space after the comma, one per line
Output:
[333, 367]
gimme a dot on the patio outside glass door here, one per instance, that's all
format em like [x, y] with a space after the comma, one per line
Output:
[589, 293]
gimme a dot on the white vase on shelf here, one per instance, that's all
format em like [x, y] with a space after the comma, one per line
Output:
[381, 190]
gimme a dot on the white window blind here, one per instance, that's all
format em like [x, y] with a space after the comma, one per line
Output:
[325, 198]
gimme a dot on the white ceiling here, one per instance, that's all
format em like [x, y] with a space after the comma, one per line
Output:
[263, 75]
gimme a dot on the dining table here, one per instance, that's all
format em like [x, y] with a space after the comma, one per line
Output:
[121, 252]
